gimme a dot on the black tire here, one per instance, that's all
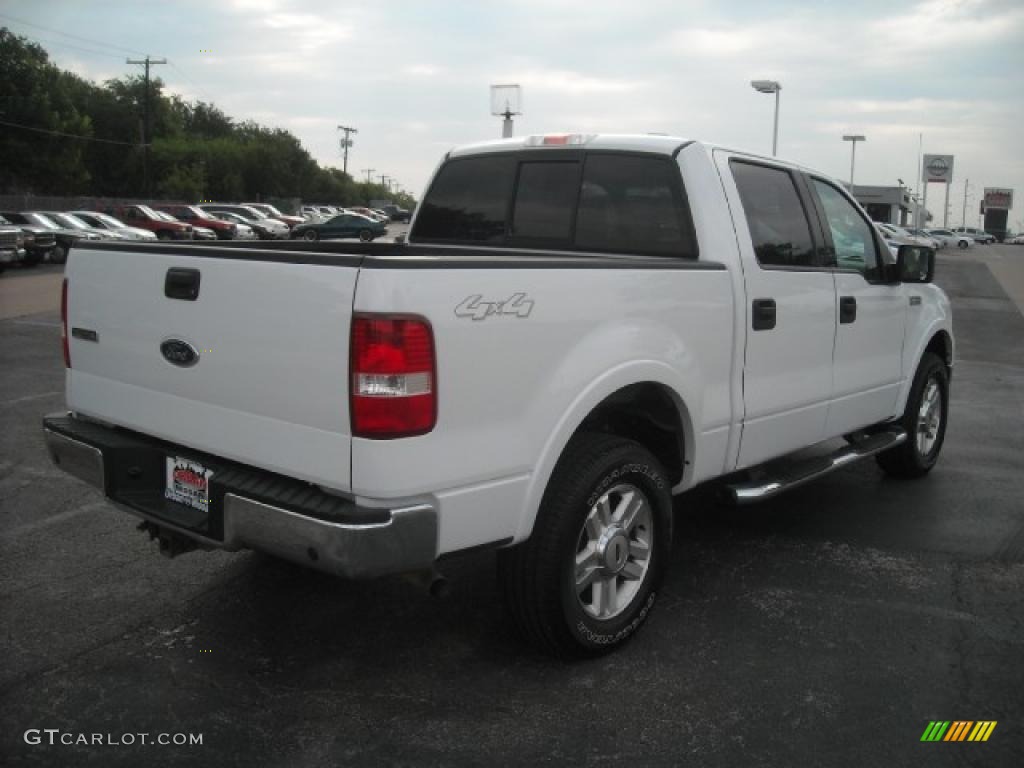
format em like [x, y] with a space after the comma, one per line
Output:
[538, 577]
[32, 258]
[311, 234]
[365, 235]
[962, 244]
[59, 254]
[912, 459]
[163, 235]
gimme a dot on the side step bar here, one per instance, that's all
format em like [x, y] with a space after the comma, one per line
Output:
[796, 474]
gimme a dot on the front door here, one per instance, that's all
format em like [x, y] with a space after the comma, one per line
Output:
[790, 302]
[871, 315]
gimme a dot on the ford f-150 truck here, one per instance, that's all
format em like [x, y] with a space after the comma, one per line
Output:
[578, 328]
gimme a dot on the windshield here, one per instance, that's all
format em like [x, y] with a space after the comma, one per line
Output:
[69, 220]
[164, 216]
[146, 211]
[108, 220]
[43, 221]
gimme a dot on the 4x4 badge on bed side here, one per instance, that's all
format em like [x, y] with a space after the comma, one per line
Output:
[474, 307]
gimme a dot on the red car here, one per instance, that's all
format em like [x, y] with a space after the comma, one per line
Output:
[197, 217]
[144, 217]
[272, 212]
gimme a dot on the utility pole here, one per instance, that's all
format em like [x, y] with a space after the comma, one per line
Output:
[963, 214]
[147, 130]
[384, 183]
[345, 144]
[368, 171]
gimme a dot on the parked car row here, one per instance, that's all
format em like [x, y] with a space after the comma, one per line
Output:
[29, 237]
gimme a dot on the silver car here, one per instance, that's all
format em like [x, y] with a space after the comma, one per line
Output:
[107, 222]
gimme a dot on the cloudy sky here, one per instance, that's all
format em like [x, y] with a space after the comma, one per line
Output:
[413, 77]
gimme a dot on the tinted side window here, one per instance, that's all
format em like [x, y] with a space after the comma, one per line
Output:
[545, 198]
[778, 224]
[852, 238]
[468, 200]
[633, 205]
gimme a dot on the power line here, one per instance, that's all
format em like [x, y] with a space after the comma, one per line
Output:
[68, 34]
[62, 44]
[68, 135]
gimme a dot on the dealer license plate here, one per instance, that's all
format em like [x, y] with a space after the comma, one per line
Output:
[188, 483]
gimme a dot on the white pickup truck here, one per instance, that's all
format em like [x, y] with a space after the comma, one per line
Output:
[578, 328]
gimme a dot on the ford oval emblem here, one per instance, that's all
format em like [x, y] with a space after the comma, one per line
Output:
[179, 353]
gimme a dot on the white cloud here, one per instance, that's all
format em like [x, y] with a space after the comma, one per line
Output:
[565, 81]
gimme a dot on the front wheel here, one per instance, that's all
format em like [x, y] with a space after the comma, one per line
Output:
[924, 421]
[588, 576]
[59, 254]
[962, 244]
[311, 234]
[365, 235]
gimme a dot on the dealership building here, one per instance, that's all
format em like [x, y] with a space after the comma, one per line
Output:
[890, 205]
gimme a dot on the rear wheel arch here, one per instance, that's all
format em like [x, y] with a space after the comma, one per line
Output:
[651, 413]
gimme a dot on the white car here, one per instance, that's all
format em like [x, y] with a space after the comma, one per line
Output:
[952, 239]
[930, 240]
[1016, 240]
[108, 222]
[660, 315]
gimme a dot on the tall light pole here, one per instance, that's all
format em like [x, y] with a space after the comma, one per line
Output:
[963, 214]
[771, 86]
[506, 102]
[345, 144]
[853, 154]
[368, 171]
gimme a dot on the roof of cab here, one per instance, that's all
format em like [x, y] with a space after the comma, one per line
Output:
[630, 142]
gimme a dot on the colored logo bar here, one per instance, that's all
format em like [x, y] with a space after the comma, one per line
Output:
[958, 730]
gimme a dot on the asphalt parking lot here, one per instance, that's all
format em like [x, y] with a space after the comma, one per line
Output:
[827, 627]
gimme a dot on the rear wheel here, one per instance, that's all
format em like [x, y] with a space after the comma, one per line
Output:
[924, 421]
[365, 235]
[587, 577]
[163, 235]
[311, 235]
[59, 254]
[32, 258]
[962, 243]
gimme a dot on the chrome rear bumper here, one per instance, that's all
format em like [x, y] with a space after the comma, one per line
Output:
[397, 540]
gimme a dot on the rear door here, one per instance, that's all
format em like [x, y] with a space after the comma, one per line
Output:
[790, 300]
[872, 315]
[268, 385]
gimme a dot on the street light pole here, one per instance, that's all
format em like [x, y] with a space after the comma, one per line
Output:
[853, 154]
[771, 86]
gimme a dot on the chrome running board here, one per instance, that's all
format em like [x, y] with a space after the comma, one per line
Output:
[798, 473]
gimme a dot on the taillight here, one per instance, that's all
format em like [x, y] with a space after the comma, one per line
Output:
[394, 381]
[64, 323]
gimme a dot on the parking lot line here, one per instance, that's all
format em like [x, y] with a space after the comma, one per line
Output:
[27, 398]
[60, 517]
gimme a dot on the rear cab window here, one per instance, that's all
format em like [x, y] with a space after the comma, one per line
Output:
[599, 201]
[780, 229]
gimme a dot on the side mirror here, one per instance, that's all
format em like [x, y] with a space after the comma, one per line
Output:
[915, 264]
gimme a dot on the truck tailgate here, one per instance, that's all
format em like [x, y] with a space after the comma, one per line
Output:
[270, 385]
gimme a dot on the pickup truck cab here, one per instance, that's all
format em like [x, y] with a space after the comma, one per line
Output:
[579, 328]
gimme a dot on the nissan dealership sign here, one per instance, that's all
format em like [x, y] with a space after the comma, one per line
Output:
[937, 168]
